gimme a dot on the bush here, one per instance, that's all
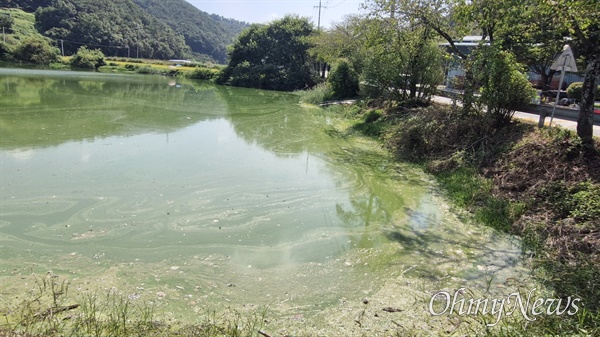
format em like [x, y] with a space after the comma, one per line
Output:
[88, 59]
[440, 133]
[343, 80]
[147, 70]
[5, 52]
[36, 50]
[372, 116]
[131, 67]
[318, 94]
[504, 87]
[202, 74]
[574, 91]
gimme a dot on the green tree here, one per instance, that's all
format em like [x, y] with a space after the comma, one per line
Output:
[119, 27]
[535, 39]
[444, 18]
[346, 39]
[582, 19]
[453, 19]
[88, 59]
[6, 22]
[504, 86]
[403, 60]
[26, 5]
[36, 50]
[5, 51]
[204, 33]
[343, 80]
[273, 56]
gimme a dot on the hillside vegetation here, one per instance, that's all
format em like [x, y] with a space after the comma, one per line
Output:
[22, 28]
[203, 33]
[139, 28]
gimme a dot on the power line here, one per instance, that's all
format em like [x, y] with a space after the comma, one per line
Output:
[313, 15]
[319, 22]
[338, 4]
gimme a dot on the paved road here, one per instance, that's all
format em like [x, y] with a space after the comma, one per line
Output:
[533, 117]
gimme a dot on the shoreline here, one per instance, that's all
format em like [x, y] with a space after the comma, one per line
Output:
[489, 179]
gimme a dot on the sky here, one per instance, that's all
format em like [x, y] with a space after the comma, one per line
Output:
[263, 11]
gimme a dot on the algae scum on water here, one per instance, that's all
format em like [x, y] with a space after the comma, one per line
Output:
[198, 198]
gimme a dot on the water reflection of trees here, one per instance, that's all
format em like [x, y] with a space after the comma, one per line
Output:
[272, 120]
[47, 111]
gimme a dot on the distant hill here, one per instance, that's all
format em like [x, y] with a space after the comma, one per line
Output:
[204, 33]
[161, 29]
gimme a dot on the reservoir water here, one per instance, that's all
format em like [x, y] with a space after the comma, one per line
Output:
[194, 196]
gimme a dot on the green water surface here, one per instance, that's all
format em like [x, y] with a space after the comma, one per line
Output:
[194, 195]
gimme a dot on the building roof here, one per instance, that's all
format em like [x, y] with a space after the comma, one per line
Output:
[466, 44]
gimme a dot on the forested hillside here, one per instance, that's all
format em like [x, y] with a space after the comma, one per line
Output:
[136, 28]
[204, 33]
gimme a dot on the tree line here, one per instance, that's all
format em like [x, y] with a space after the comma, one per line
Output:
[394, 51]
[133, 28]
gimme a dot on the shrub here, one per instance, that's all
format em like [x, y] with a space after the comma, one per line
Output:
[318, 94]
[36, 50]
[88, 59]
[343, 80]
[147, 70]
[372, 116]
[504, 87]
[440, 133]
[584, 203]
[574, 91]
[202, 74]
[131, 67]
[5, 51]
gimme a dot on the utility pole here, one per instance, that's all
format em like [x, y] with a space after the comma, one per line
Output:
[319, 20]
[321, 66]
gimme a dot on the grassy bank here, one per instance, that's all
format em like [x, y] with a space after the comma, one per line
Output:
[52, 308]
[133, 66]
[541, 185]
[145, 66]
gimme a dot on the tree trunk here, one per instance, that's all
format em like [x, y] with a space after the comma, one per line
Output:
[546, 78]
[468, 99]
[412, 89]
[543, 80]
[585, 121]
